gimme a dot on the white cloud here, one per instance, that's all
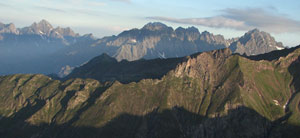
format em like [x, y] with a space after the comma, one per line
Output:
[217, 21]
[243, 19]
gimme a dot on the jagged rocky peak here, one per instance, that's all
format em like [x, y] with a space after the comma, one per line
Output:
[214, 39]
[193, 29]
[42, 27]
[179, 30]
[219, 54]
[89, 36]
[263, 36]
[191, 33]
[63, 32]
[256, 34]
[45, 28]
[255, 30]
[44, 23]
[187, 30]
[155, 26]
[205, 60]
[8, 28]
[206, 36]
[68, 31]
[255, 42]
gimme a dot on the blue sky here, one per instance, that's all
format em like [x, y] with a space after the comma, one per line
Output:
[230, 18]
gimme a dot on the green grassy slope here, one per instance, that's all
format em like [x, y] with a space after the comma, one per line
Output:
[209, 94]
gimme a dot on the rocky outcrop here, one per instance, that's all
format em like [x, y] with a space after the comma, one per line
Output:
[45, 28]
[255, 42]
[156, 40]
[41, 48]
[8, 28]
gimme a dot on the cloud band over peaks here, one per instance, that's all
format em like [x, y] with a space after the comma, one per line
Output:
[242, 19]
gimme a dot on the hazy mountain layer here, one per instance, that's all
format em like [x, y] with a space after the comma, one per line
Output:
[28, 49]
[210, 94]
[41, 48]
[156, 40]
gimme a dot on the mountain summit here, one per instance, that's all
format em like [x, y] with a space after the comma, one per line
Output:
[43, 28]
[8, 28]
[154, 40]
[23, 50]
[255, 42]
[155, 26]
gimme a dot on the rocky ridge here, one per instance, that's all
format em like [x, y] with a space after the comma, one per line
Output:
[41, 48]
[209, 94]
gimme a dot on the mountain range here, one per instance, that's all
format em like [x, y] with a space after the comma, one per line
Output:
[149, 82]
[41, 48]
[22, 49]
[208, 94]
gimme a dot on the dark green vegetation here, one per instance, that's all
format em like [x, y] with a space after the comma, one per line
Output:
[105, 68]
[211, 94]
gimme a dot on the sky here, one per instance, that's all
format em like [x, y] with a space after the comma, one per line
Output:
[231, 18]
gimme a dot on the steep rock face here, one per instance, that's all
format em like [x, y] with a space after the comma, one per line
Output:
[214, 39]
[158, 40]
[191, 33]
[8, 28]
[154, 40]
[255, 42]
[195, 65]
[63, 32]
[45, 28]
[41, 48]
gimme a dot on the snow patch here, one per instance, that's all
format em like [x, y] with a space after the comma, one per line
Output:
[162, 55]
[276, 102]
[132, 41]
[41, 32]
[279, 48]
[83, 63]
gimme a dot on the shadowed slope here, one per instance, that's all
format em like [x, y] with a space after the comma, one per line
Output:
[210, 94]
[105, 68]
[176, 122]
[274, 54]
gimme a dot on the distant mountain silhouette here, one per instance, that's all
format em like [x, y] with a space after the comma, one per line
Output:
[41, 48]
[23, 50]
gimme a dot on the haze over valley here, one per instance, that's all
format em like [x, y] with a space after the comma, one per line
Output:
[149, 69]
